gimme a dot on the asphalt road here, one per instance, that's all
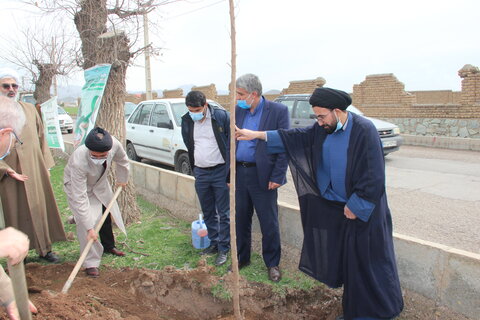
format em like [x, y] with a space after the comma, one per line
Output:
[433, 194]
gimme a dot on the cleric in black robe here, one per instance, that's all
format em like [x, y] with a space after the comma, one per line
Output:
[339, 173]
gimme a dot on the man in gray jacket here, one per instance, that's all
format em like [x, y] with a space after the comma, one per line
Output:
[89, 192]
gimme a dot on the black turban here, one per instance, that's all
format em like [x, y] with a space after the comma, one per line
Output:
[95, 143]
[330, 98]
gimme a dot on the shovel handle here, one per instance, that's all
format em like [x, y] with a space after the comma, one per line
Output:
[17, 274]
[75, 270]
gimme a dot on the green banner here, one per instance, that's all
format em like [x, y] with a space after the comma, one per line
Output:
[92, 93]
[51, 124]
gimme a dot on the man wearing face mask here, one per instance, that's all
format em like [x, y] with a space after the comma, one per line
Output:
[339, 173]
[29, 204]
[258, 174]
[206, 132]
[89, 192]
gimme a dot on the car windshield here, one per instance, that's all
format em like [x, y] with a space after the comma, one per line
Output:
[61, 111]
[179, 109]
[129, 107]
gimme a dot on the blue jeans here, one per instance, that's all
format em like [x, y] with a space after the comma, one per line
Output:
[213, 194]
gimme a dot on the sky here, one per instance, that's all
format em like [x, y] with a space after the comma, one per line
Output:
[423, 42]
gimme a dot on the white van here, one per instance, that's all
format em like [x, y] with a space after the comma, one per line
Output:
[154, 132]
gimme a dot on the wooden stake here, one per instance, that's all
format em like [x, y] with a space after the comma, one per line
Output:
[233, 235]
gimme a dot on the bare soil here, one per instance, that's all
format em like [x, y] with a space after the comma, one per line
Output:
[185, 294]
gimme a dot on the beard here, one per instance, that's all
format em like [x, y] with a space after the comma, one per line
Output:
[328, 129]
[9, 94]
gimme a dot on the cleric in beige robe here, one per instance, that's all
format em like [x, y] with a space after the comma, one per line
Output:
[30, 205]
[88, 190]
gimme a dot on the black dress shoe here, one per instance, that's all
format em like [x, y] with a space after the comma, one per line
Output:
[210, 250]
[241, 265]
[115, 252]
[51, 257]
[221, 258]
[274, 274]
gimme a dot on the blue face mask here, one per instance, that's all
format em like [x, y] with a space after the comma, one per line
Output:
[196, 116]
[339, 123]
[243, 104]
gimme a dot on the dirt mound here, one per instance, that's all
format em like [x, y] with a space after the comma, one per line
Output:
[167, 294]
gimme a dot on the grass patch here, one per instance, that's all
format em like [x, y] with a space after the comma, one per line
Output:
[73, 111]
[159, 240]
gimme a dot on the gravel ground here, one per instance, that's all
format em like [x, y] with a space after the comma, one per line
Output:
[433, 194]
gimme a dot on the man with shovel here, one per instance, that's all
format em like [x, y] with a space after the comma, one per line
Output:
[89, 192]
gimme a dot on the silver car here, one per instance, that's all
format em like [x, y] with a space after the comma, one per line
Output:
[301, 115]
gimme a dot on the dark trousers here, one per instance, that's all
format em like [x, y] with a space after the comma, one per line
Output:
[249, 195]
[213, 194]
[106, 233]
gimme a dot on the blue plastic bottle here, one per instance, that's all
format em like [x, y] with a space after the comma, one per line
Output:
[198, 226]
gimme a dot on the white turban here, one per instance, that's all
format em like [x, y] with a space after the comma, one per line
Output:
[9, 73]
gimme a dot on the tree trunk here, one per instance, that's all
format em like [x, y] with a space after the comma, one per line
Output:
[44, 82]
[99, 47]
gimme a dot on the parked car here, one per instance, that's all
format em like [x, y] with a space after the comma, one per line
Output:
[66, 122]
[129, 107]
[64, 119]
[154, 132]
[301, 115]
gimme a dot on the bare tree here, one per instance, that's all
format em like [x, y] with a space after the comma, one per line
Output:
[45, 52]
[106, 29]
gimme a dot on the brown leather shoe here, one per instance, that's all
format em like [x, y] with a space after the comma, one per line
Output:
[274, 274]
[92, 272]
[115, 252]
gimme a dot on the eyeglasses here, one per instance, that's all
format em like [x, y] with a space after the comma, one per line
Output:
[7, 86]
[322, 116]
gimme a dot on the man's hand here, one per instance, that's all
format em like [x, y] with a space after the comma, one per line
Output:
[273, 185]
[349, 214]
[12, 310]
[13, 245]
[245, 134]
[121, 184]
[17, 176]
[91, 234]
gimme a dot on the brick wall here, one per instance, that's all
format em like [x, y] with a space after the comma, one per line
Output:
[437, 96]
[470, 85]
[209, 91]
[303, 86]
[177, 93]
[381, 89]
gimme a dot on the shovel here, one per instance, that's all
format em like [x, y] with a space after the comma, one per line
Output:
[69, 282]
[17, 274]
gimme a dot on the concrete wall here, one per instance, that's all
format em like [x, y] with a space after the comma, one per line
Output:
[451, 277]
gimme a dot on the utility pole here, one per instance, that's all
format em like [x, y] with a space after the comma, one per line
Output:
[54, 62]
[148, 74]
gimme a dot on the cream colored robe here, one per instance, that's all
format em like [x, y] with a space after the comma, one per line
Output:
[30, 206]
[87, 188]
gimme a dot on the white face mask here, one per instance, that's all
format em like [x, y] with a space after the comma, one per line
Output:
[97, 161]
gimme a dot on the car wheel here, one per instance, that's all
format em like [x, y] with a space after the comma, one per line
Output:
[183, 164]
[131, 153]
